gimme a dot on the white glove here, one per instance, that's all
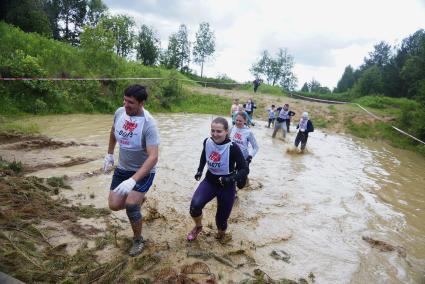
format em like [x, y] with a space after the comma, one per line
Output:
[109, 162]
[125, 187]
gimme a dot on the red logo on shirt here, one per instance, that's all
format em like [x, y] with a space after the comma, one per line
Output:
[129, 126]
[238, 136]
[215, 157]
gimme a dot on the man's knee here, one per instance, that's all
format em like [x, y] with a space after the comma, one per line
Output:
[133, 212]
[114, 206]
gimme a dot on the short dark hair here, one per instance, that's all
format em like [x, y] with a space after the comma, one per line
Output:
[139, 92]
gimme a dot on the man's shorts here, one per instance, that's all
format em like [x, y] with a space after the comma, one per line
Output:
[121, 175]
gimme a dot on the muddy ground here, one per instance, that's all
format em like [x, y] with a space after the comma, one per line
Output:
[67, 235]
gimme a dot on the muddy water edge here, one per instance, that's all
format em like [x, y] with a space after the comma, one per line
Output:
[346, 211]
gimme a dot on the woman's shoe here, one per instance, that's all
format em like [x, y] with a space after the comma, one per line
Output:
[194, 233]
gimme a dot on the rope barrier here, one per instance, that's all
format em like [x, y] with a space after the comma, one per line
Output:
[76, 79]
[205, 85]
[370, 113]
[319, 100]
[110, 79]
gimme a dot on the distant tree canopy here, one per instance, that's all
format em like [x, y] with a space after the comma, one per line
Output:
[29, 15]
[276, 69]
[60, 19]
[314, 87]
[147, 46]
[122, 27]
[177, 54]
[347, 80]
[204, 46]
[390, 71]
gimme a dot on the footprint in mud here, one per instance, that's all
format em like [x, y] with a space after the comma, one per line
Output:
[280, 255]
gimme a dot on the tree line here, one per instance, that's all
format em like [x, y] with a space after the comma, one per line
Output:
[392, 71]
[88, 24]
[276, 69]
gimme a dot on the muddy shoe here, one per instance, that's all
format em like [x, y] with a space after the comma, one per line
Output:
[137, 247]
[223, 238]
[194, 233]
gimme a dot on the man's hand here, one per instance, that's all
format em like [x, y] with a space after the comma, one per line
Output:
[109, 162]
[125, 187]
[198, 175]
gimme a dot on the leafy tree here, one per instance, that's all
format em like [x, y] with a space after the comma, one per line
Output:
[53, 10]
[69, 18]
[380, 56]
[260, 68]
[96, 9]
[122, 26]
[282, 68]
[347, 80]
[177, 54]
[204, 45]
[147, 46]
[98, 46]
[305, 88]
[289, 82]
[314, 86]
[183, 47]
[170, 57]
[278, 69]
[27, 15]
[370, 82]
[413, 71]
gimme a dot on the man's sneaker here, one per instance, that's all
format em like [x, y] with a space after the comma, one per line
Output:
[137, 247]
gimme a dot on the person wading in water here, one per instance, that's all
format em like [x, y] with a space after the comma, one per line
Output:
[135, 131]
[226, 166]
[304, 127]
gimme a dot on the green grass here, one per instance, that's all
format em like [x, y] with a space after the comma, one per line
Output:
[263, 89]
[202, 103]
[13, 125]
[320, 122]
[384, 131]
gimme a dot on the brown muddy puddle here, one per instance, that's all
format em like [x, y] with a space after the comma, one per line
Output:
[347, 210]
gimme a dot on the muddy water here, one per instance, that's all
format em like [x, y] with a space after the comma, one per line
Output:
[313, 208]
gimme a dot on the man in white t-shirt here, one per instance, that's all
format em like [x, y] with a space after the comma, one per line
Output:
[135, 131]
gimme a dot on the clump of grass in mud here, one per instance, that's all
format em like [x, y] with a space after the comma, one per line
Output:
[25, 251]
[16, 166]
[58, 182]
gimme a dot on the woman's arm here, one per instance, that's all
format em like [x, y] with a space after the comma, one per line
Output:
[253, 142]
[202, 159]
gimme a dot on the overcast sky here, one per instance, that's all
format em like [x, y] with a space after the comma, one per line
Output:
[323, 36]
